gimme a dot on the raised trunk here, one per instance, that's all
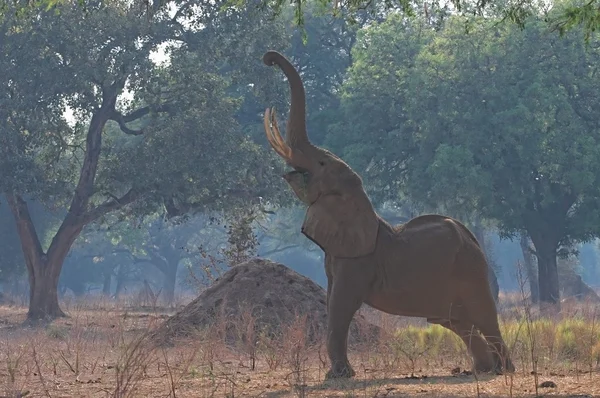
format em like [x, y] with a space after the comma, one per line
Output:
[530, 269]
[296, 125]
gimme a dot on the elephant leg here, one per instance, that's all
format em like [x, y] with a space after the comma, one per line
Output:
[478, 348]
[329, 284]
[502, 360]
[481, 310]
[344, 300]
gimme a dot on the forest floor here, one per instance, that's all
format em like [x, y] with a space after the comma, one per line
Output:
[101, 350]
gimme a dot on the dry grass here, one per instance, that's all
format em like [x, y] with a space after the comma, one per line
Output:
[101, 350]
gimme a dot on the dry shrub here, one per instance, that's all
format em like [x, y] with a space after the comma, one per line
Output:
[570, 341]
[568, 344]
[13, 357]
[296, 345]
[271, 350]
[409, 343]
[441, 343]
[382, 356]
[596, 354]
[247, 333]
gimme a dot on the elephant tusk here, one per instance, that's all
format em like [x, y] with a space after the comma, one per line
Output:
[274, 137]
[278, 138]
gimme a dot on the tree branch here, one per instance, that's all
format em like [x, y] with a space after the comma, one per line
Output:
[158, 261]
[93, 147]
[278, 250]
[139, 260]
[122, 251]
[111, 205]
[30, 243]
[122, 120]
[175, 210]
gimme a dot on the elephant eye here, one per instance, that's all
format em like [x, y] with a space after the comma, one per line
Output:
[322, 163]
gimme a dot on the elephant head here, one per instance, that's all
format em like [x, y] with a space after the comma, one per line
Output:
[340, 217]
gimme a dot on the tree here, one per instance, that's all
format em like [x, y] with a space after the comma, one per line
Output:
[530, 268]
[571, 14]
[185, 153]
[165, 244]
[503, 121]
[101, 252]
[11, 258]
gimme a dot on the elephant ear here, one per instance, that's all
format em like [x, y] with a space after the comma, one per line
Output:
[342, 225]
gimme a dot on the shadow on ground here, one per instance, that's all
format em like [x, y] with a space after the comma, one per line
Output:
[399, 394]
[350, 384]
[394, 389]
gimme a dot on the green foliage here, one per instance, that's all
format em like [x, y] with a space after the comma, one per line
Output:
[578, 13]
[574, 14]
[173, 146]
[373, 131]
[182, 111]
[571, 15]
[499, 122]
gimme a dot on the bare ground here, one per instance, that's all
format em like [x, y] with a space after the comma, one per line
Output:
[99, 351]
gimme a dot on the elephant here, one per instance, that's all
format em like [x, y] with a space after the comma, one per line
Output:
[430, 267]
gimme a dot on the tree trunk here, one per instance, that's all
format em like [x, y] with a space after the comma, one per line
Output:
[166, 260]
[530, 269]
[43, 299]
[479, 233]
[43, 269]
[168, 290]
[549, 293]
[107, 279]
[120, 281]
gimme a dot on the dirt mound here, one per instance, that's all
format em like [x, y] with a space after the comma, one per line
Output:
[273, 293]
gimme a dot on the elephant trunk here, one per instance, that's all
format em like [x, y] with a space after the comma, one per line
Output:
[296, 135]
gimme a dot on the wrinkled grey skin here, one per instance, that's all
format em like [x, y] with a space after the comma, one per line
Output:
[431, 267]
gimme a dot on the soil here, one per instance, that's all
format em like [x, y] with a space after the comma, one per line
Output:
[274, 294]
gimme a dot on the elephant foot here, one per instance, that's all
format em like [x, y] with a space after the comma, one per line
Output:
[344, 371]
[494, 367]
[504, 366]
[484, 363]
[510, 367]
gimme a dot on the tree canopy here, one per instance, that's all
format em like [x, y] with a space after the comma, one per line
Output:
[573, 13]
[503, 122]
[117, 154]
